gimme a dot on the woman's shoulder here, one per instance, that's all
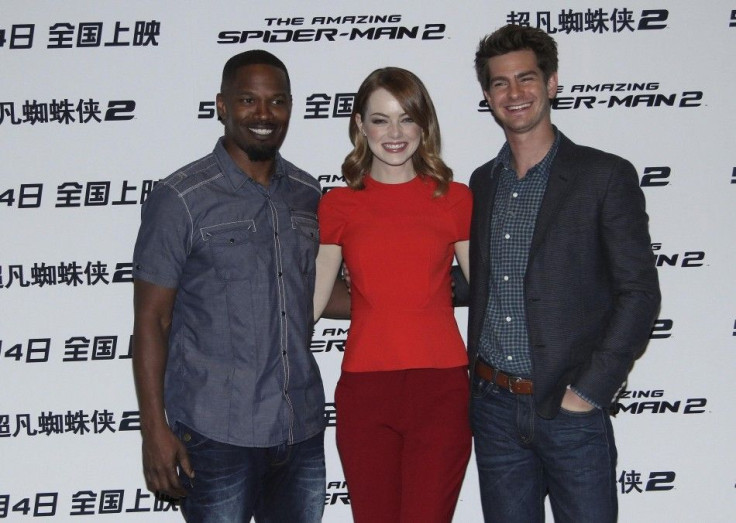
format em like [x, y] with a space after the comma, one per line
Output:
[458, 192]
[337, 194]
[459, 188]
[339, 198]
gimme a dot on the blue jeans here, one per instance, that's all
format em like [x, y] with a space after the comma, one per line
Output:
[522, 457]
[282, 484]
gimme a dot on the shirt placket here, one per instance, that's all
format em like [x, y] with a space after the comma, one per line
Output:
[510, 238]
[282, 303]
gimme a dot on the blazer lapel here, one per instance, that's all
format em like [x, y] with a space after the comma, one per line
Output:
[489, 198]
[562, 176]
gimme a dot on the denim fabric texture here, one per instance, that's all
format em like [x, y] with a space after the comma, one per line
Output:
[523, 457]
[281, 484]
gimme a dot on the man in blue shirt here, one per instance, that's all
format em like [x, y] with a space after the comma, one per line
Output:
[230, 396]
[563, 293]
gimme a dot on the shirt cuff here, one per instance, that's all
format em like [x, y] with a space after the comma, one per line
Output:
[583, 396]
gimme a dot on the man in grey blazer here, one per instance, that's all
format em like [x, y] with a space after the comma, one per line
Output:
[563, 293]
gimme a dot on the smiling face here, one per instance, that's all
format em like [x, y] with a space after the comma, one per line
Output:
[393, 137]
[518, 94]
[255, 109]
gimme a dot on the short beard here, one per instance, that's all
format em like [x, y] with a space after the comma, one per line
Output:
[261, 153]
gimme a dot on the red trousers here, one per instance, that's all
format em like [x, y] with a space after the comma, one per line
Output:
[404, 441]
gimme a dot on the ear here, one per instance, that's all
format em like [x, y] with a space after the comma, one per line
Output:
[488, 100]
[552, 86]
[359, 123]
[221, 109]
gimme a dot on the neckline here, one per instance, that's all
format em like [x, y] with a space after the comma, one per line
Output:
[370, 181]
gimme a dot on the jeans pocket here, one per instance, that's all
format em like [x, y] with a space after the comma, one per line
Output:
[479, 387]
[190, 438]
[578, 413]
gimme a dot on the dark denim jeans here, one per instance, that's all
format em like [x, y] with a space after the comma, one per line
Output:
[522, 457]
[282, 484]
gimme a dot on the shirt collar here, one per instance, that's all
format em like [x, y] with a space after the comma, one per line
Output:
[235, 174]
[504, 157]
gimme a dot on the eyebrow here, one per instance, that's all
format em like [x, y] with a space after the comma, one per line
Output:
[385, 115]
[246, 90]
[518, 75]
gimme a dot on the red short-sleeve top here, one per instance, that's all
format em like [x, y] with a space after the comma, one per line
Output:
[398, 244]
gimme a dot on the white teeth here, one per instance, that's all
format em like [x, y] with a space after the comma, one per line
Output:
[394, 147]
[260, 132]
[517, 107]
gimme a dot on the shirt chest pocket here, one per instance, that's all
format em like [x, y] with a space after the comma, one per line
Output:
[234, 249]
[307, 228]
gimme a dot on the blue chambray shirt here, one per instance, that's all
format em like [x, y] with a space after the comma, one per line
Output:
[242, 257]
[504, 339]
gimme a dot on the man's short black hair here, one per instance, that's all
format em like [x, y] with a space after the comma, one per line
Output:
[253, 57]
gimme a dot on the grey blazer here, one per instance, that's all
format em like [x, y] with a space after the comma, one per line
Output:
[591, 289]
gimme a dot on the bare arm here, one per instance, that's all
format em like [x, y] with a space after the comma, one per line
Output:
[162, 450]
[329, 259]
[462, 253]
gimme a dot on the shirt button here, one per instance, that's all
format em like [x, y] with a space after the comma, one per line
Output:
[505, 278]
[508, 319]
[283, 313]
[515, 195]
[507, 236]
[280, 274]
[509, 358]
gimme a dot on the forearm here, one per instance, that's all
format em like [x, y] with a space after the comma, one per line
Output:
[635, 286]
[460, 287]
[625, 339]
[153, 307]
[338, 306]
[327, 264]
[162, 452]
[150, 353]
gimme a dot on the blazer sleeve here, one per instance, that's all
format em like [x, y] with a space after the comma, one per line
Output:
[624, 234]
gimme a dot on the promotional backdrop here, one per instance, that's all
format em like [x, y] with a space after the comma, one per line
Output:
[98, 100]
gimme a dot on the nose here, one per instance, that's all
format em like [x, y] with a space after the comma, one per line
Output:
[514, 89]
[263, 109]
[394, 130]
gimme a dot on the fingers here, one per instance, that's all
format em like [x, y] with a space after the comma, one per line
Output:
[161, 456]
[165, 481]
[185, 465]
[345, 273]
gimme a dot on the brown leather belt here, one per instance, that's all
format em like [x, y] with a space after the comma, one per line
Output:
[510, 383]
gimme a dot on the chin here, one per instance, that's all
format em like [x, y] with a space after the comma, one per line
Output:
[261, 154]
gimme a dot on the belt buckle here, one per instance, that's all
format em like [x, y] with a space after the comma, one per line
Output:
[513, 380]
